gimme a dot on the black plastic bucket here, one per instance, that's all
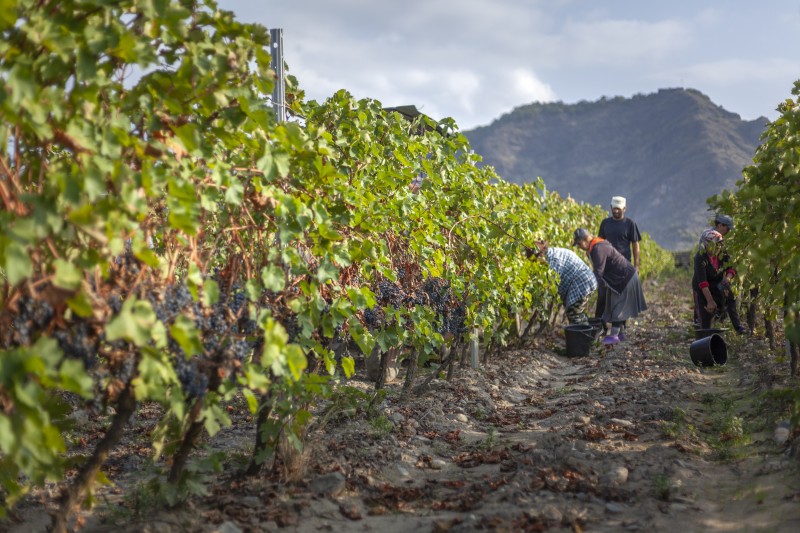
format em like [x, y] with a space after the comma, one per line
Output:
[701, 333]
[709, 351]
[580, 338]
[598, 326]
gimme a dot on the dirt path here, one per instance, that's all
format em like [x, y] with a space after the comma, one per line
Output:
[632, 439]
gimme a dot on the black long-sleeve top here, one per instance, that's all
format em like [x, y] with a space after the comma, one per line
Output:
[709, 271]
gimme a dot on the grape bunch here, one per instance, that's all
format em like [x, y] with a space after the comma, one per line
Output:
[370, 317]
[248, 326]
[374, 317]
[193, 382]
[219, 331]
[391, 294]
[239, 350]
[211, 343]
[178, 297]
[169, 302]
[115, 303]
[128, 265]
[438, 294]
[453, 321]
[78, 342]
[291, 326]
[419, 297]
[32, 317]
[237, 302]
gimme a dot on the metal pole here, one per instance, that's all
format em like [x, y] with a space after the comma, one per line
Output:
[276, 64]
[474, 347]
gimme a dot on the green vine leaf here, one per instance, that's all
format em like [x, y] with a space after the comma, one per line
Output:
[136, 323]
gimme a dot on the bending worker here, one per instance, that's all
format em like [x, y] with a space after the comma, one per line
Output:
[618, 277]
[576, 282]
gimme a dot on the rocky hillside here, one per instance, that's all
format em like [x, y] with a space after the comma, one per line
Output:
[666, 152]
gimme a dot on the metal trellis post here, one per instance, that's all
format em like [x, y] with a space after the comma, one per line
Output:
[276, 64]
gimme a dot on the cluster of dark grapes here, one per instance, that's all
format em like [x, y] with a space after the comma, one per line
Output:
[237, 302]
[453, 321]
[239, 350]
[418, 298]
[77, 343]
[176, 298]
[247, 326]
[225, 330]
[390, 294]
[434, 292]
[452, 314]
[36, 316]
[374, 318]
[291, 326]
[212, 342]
[33, 316]
[370, 317]
[128, 263]
[438, 294]
[221, 320]
[115, 303]
[193, 382]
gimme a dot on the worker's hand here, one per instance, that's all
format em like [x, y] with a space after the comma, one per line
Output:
[533, 252]
[711, 306]
[725, 287]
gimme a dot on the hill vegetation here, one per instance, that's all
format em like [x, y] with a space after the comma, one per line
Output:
[666, 152]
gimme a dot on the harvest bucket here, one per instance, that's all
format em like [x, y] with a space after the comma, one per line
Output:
[709, 351]
[598, 325]
[579, 339]
[701, 333]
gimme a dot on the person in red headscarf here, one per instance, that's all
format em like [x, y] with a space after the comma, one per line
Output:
[616, 275]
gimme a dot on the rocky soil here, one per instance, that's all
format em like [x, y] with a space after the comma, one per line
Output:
[635, 438]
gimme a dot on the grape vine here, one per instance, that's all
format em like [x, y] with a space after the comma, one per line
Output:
[163, 239]
[767, 223]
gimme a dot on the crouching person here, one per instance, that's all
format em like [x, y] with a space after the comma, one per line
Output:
[576, 282]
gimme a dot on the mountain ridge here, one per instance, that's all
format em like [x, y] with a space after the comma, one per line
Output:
[666, 152]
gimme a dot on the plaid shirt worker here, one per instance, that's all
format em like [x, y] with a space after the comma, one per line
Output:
[576, 281]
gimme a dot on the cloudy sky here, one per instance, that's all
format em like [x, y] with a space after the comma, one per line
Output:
[475, 60]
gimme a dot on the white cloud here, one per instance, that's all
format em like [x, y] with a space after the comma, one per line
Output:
[526, 87]
[619, 42]
[728, 71]
[749, 87]
[476, 59]
[460, 86]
